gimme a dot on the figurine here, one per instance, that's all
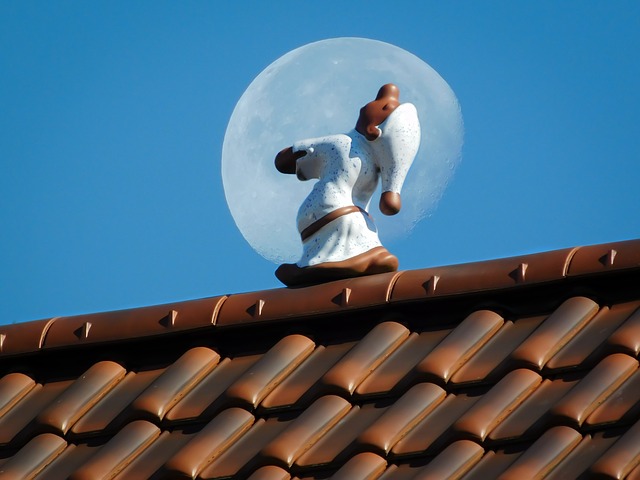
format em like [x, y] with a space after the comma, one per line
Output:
[339, 237]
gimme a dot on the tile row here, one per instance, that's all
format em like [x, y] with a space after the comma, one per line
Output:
[483, 352]
[282, 304]
[139, 450]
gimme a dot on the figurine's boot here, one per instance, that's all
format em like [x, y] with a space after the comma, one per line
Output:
[376, 260]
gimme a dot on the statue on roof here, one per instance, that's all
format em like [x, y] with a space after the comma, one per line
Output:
[339, 236]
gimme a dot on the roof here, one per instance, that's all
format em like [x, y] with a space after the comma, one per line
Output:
[523, 367]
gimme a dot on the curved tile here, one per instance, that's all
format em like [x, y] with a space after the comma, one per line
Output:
[81, 395]
[118, 452]
[364, 466]
[626, 339]
[497, 403]
[305, 430]
[264, 375]
[464, 341]
[209, 443]
[33, 457]
[270, 472]
[287, 303]
[453, 462]
[555, 332]
[19, 338]
[594, 388]
[175, 382]
[400, 417]
[541, 457]
[371, 351]
[13, 387]
[621, 458]
[605, 257]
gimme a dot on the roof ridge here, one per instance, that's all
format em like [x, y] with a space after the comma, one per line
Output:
[234, 310]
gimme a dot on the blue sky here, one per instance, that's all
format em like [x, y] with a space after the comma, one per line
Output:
[112, 117]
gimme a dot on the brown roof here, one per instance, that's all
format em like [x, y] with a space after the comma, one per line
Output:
[519, 368]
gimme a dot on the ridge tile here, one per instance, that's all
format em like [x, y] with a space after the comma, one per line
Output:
[209, 443]
[264, 375]
[555, 332]
[175, 382]
[81, 395]
[133, 323]
[480, 276]
[604, 257]
[287, 303]
[594, 388]
[462, 343]
[17, 338]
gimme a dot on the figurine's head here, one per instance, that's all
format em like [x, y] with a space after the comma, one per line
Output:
[377, 111]
[388, 91]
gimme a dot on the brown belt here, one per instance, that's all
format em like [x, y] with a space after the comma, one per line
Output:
[328, 218]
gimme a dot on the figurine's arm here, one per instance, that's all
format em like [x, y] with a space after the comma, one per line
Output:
[390, 203]
[286, 160]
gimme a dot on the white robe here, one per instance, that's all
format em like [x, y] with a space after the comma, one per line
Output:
[348, 168]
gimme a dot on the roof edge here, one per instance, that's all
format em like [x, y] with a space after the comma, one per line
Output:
[282, 304]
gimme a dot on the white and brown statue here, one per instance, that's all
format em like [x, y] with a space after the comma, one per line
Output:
[339, 237]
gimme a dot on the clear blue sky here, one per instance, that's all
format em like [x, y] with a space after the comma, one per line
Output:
[112, 117]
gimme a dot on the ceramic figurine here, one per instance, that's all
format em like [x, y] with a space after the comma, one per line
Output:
[339, 237]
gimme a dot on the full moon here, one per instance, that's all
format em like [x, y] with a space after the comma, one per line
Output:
[317, 90]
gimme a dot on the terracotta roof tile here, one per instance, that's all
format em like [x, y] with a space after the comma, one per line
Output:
[555, 332]
[621, 458]
[314, 422]
[22, 338]
[264, 375]
[465, 340]
[399, 418]
[33, 457]
[175, 382]
[357, 364]
[497, 403]
[605, 257]
[365, 466]
[81, 395]
[524, 366]
[540, 458]
[118, 452]
[209, 443]
[594, 388]
[453, 462]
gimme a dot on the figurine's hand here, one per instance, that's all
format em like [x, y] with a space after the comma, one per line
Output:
[286, 159]
[390, 203]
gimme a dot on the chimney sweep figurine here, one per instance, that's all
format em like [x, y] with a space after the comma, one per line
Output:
[339, 237]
